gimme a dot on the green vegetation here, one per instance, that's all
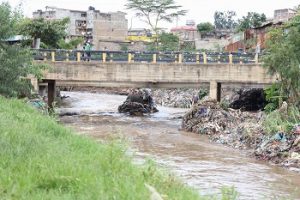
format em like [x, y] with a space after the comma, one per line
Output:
[166, 42]
[72, 44]
[51, 32]
[282, 120]
[42, 160]
[153, 12]
[225, 20]
[15, 61]
[205, 28]
[273, 97]
[282, 58]
[252, 20]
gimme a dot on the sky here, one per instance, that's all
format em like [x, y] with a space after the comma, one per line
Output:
[198, 10]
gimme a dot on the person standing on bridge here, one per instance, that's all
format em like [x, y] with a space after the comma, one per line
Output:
[87, 49]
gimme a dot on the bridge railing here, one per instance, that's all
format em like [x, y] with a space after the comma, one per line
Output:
[144, 57]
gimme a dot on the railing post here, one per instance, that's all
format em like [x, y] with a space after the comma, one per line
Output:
[219, 59]
[241, 60]
[67, 57]
[111, 57]
[78, 56]
[180, 58]
[104, 57]
[45, 56]
[154, 58]
[129, 57]
[53, 56]
[197, 58]
[230, 59]
[204, 58]
[256, 58]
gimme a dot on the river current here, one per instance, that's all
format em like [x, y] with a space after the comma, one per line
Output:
[193, 158]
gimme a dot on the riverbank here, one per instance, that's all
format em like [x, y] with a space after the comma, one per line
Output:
[248, 131]
[41, 159]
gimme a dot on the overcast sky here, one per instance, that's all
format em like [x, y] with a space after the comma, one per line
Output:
[198, 10]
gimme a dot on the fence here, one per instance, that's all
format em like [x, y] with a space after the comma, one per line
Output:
[145, 57]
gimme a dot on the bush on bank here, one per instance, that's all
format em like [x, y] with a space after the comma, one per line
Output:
[40, 159]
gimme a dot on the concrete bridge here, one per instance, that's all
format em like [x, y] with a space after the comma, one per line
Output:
[152, 75]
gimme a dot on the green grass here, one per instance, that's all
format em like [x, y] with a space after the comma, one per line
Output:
[40, 159]
[277, 121]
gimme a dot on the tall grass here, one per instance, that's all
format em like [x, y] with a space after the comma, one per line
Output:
[43, 160]
[278, 121]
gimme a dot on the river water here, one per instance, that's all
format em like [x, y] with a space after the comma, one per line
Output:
[197, 162]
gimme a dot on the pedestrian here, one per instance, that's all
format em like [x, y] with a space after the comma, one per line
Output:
[88, 48]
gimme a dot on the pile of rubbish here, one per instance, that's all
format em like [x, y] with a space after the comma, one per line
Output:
[244, 130]
[38, 103]
[177, 98]
[138, 102]
[249, 100]
[226, 126]
[281, 148]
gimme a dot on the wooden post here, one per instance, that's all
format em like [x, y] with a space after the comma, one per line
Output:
[197, 58]
[230, 59]
[154, 59]
[78, 56]
[204, 58]
[104, 57]
[129, 57]
[180, 58]
[53, 56]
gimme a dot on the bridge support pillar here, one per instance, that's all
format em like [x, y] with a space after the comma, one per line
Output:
[51, 93]
[215, 90]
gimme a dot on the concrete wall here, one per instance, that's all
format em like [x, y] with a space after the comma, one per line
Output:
[97, 73]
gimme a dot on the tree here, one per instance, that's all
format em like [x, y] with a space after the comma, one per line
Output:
[225, 20]
[72, 44]
[167, 42]
[205, 28]
[15, 62]
[252, 20]
[154, 11]
[49, 31]
[282, 58]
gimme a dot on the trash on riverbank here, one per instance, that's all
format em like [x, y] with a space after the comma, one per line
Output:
[249, 100]
[243, 130]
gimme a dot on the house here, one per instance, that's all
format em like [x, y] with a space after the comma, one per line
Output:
[92, 24]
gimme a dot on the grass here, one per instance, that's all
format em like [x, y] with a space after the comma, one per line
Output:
[41, 159]
[278, 121]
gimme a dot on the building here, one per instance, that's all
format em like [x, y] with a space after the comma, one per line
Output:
[284, 15]
[95, 26]
[255, 38]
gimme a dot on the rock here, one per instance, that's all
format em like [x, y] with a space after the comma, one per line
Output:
[138, 103]
[249, 100]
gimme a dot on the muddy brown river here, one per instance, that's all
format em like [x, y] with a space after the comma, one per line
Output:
[193, 158]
